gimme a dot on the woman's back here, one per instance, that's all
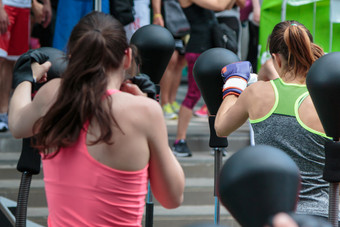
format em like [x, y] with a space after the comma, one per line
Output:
[263, 100]
[102, 184]
[286, 121]
[130, 149]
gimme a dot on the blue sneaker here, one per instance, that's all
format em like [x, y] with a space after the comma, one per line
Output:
[3, 122]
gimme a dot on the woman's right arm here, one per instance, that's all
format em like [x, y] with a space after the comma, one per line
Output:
[166, 174]
[23, 112]
[267, 71]
[215, 5]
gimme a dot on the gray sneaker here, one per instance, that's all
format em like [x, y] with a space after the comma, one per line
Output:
[181, 149]
[3, 122]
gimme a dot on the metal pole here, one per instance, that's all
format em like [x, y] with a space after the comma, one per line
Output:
[98, 5]
[217, 170]
[333, 209]
[314, 18]
[149, 208]
[330, 27]
[283, 10]
[251, 135]
[333, 206]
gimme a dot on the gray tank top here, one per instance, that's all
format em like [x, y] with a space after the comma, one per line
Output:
[282, 128]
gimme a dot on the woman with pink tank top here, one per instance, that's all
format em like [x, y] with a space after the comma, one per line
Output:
[97, 133]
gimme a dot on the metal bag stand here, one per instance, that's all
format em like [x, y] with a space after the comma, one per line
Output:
[331, 175]
[29, 165]
[216, 143]
[207, 74]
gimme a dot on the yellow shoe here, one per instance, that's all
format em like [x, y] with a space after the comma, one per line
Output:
[168, 112]
[175, 106]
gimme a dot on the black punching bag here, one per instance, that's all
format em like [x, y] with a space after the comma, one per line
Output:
[207, 74]
[155, 46]
[58, 59]
[257, 182]
[323, 83]
[59, 63]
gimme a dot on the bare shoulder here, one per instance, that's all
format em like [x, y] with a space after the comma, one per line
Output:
[309, 116]
[143, 106]
[258, 89]
[137, 114]
[259, 98]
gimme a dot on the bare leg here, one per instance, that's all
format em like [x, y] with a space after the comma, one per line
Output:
[166, 81]
[183, 122]
[177, 75]
[6, 70]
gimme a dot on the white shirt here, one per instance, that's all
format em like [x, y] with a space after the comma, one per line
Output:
[18, 3]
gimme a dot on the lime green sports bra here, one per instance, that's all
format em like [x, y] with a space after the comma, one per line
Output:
[292, 97]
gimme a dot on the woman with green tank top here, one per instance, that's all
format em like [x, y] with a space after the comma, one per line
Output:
[281, 111]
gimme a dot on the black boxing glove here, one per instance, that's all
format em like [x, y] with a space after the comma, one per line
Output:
[22, 69]
[145, 84]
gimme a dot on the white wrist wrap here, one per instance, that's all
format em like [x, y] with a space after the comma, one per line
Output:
[235, 82]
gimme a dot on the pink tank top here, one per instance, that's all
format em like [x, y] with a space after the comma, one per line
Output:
[81, 191]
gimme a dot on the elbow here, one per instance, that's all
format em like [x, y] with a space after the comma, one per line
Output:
[174, 203]
[173, 198]
[219, 131]
[13, 129]
[16, 136]
[15, 133]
